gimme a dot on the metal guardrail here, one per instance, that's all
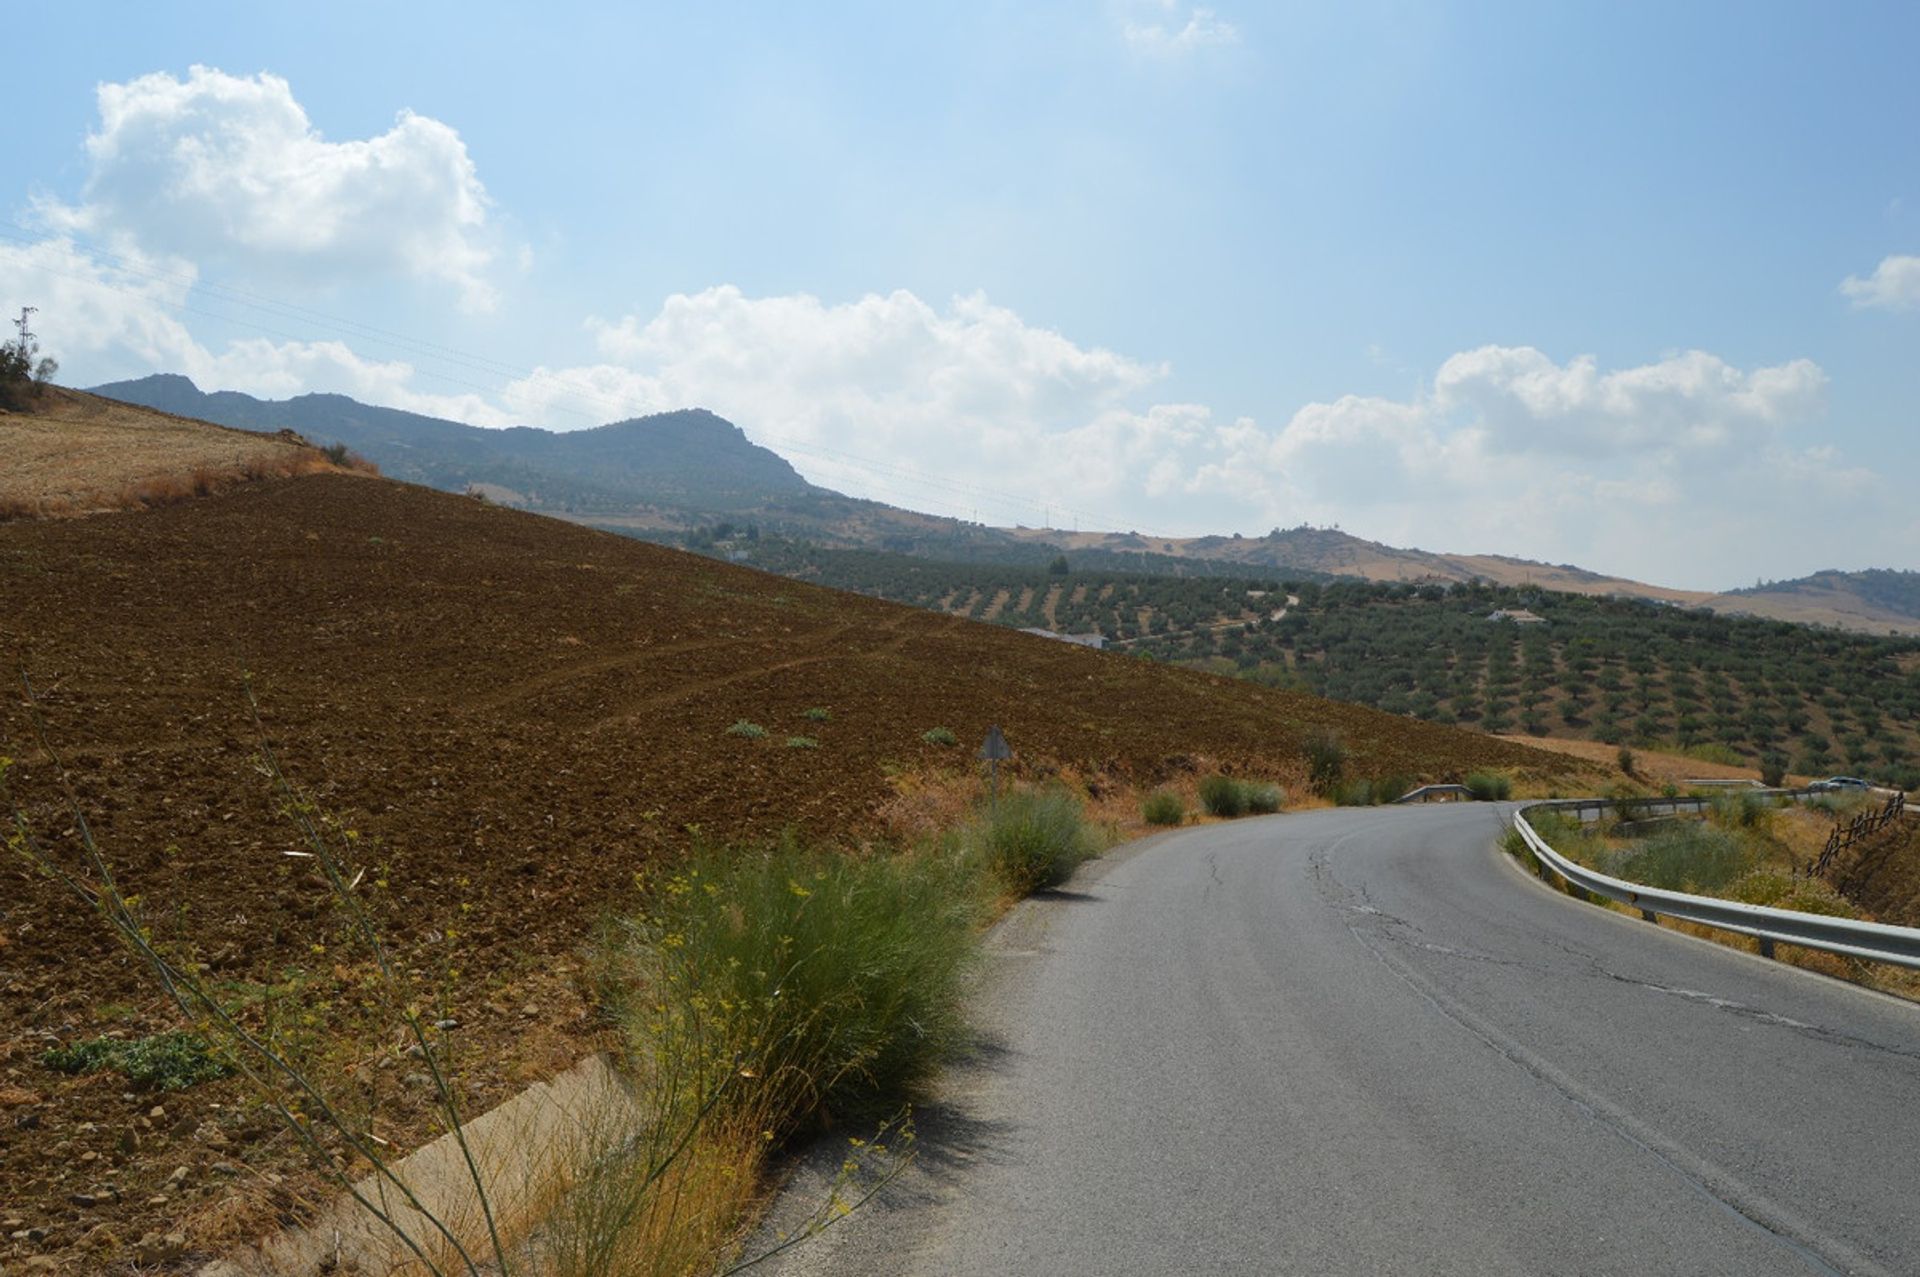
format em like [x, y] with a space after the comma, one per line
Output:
[1591, 809]
[1427, 792]
[1874, 941]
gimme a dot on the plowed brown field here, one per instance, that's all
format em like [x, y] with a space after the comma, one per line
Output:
[516, 714]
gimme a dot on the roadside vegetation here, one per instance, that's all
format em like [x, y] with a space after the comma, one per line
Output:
[1165, 808]
[752, 997]
[1029, 840]
[1229, 797]
[1747, 847]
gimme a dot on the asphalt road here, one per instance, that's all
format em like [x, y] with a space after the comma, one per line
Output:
[1361, 1041]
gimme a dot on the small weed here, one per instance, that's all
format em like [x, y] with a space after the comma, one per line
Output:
[1163, 807]
[747, 730]
[802, 742]
[818, 715]
[164, 1061]
[939, 736]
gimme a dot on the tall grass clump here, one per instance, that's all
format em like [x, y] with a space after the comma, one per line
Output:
[1355, 793]
[1743, 809]
[1223, 796]
[1163, 807]
[1229, 798]
[1488, 787]
[1326, 762]
[1264, 799]
[1032, 839]
[1683, 857]
[802, 981]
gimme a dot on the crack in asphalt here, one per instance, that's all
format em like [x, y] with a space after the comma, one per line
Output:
[1704, 1178]
[1414, 938]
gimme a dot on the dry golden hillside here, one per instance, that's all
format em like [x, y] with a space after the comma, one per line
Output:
[75, 453]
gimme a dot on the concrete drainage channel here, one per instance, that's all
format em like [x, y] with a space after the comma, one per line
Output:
[524, 1149]
[1873, 941]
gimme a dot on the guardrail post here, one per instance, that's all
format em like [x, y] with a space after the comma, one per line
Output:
[1766, 946]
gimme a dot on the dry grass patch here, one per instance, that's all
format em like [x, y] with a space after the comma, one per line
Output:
[75, 453]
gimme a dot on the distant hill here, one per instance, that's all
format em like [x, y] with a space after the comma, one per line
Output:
[1876, 598]
[678, 460]
[664, 477]
[1876, 601]
[675, 476]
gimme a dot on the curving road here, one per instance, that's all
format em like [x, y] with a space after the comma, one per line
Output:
[1361, 1041]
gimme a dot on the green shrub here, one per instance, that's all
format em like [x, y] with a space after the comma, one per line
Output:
[165, 1061]
[743, 728]
[1355, 793]
[1489, 787]
[801, 981]
[1223, 796]
[1389, 789]
[1264, 800]
[1326, 761]
[939, 736]
[1773, 769]
[1742, 809]
[1683, 857]
[817, 715]
[1780, 890]
[802, 742]
[1514, 844]
[1626, 760]
[1716, 752]
[1163, 807]
[1032, 839]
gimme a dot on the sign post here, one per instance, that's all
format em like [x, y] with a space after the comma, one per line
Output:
[995, 749]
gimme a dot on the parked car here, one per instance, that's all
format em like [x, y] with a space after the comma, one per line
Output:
[1840, 782]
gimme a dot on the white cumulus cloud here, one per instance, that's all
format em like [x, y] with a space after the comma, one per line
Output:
[1169, 30]
[228, 170]
[1894, 285]
[968, 406]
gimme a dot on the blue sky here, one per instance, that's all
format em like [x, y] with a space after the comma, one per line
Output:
[1568, 282]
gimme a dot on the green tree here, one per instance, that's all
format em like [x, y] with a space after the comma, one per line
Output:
[24, 372]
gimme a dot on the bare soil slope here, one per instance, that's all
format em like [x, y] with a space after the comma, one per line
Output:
[516, 714]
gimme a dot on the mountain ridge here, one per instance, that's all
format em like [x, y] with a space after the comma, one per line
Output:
[666, 475]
